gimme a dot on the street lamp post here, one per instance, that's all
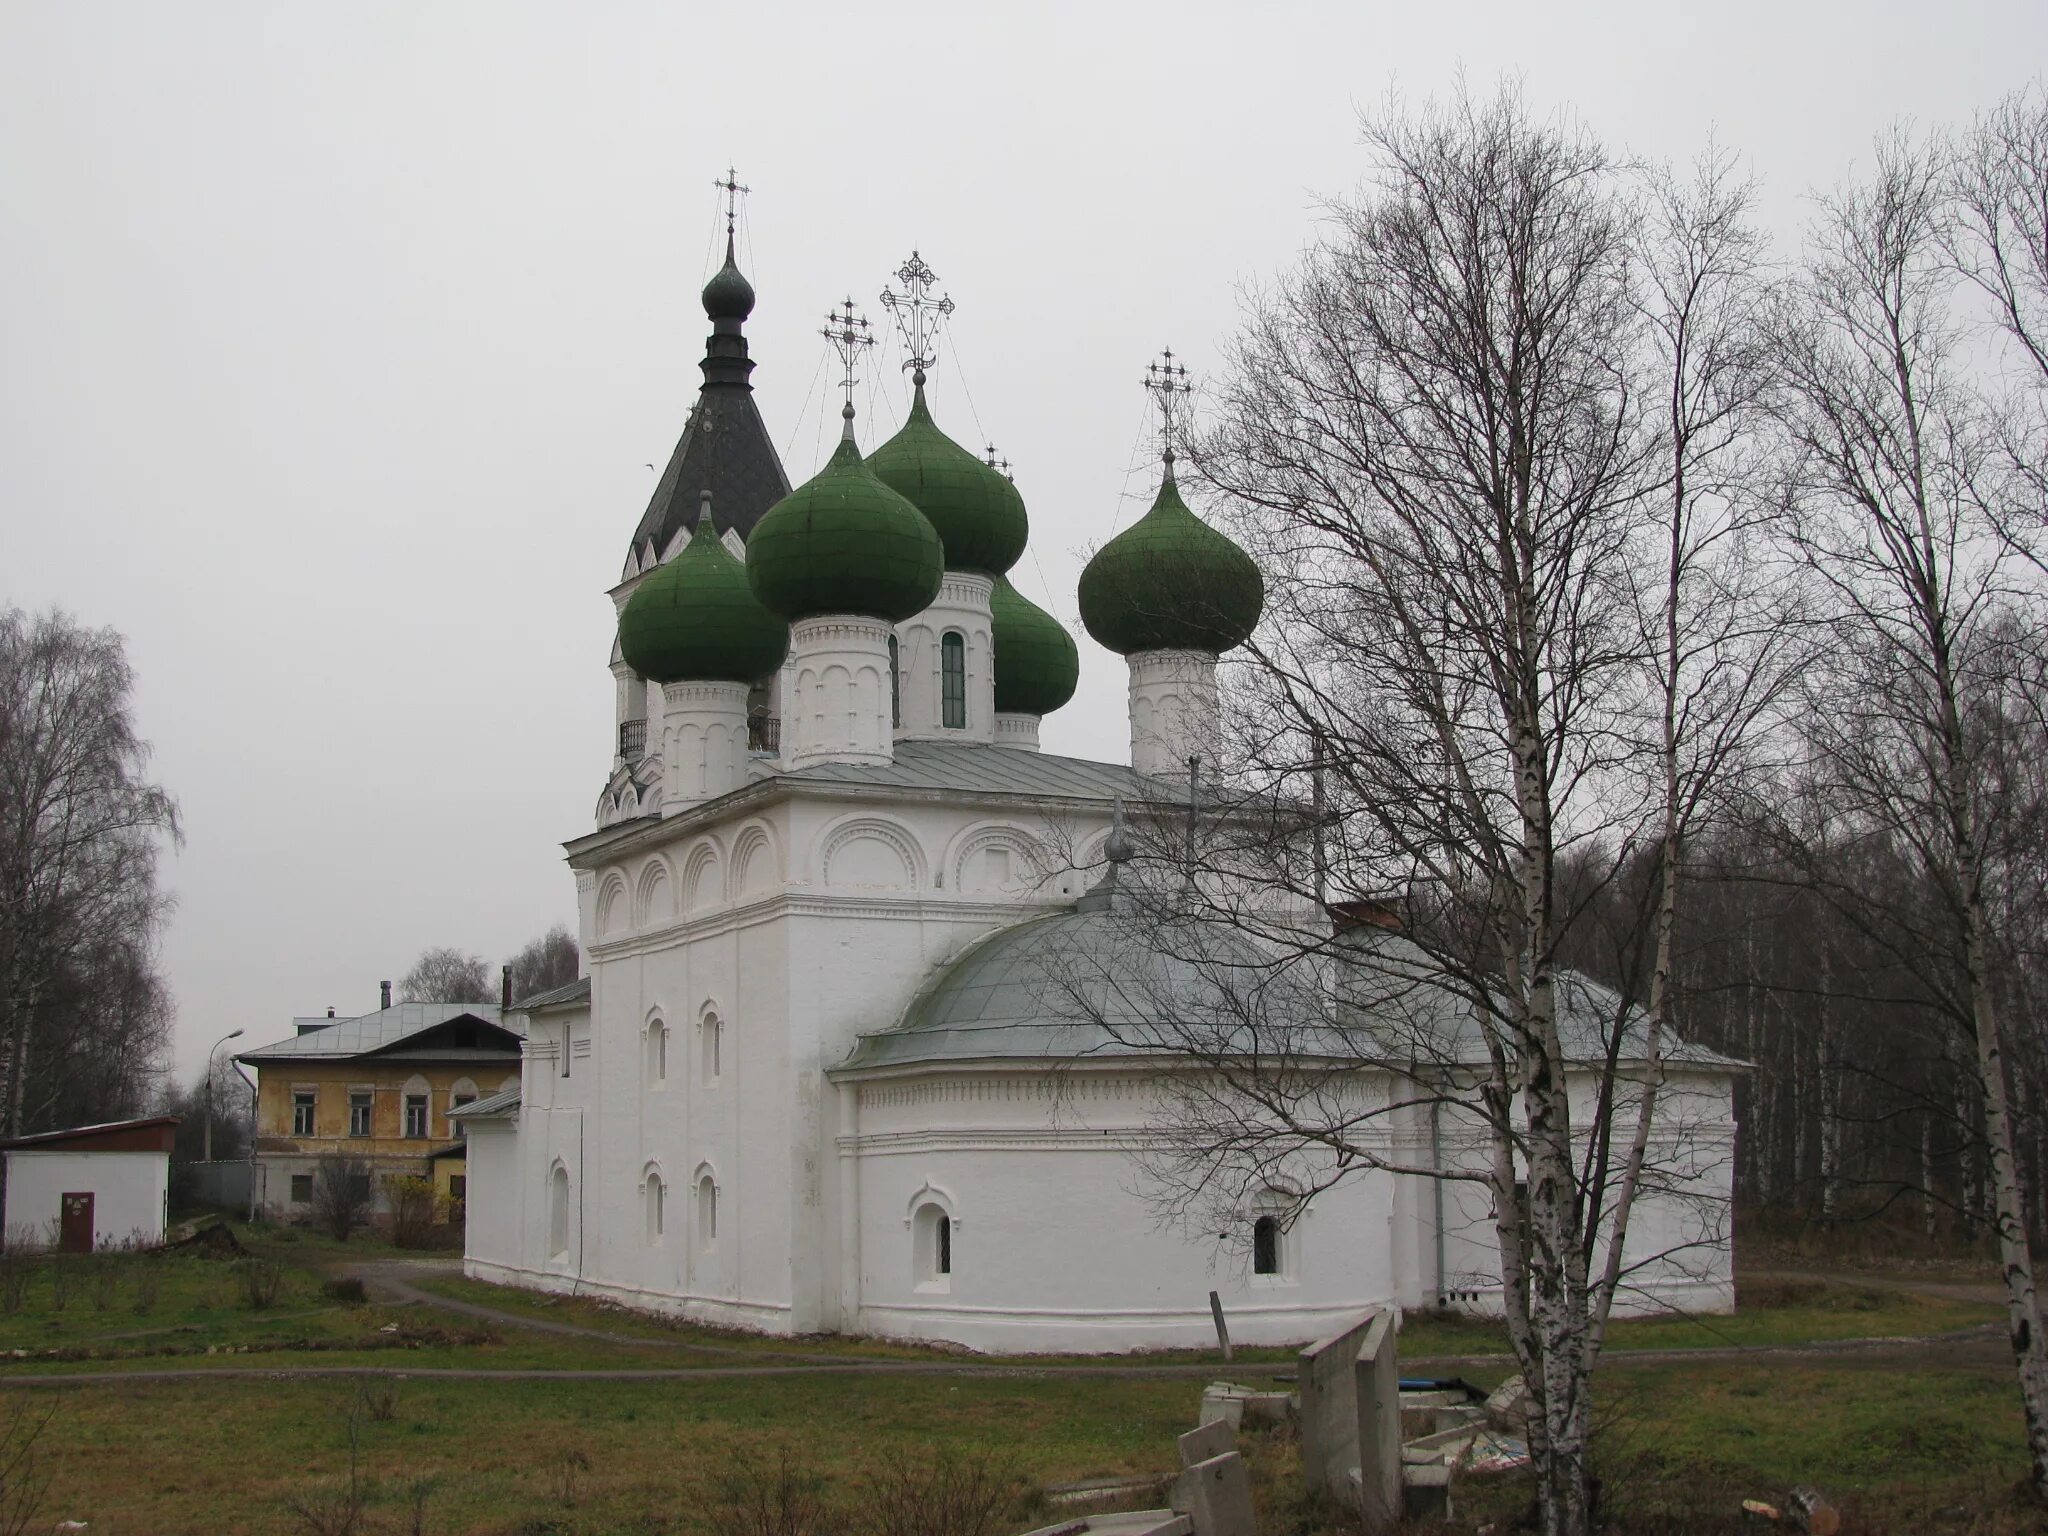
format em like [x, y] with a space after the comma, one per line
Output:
[234, 1034]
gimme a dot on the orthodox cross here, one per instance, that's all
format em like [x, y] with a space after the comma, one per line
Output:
[733, 192]
[1167, 382]
[1001, 464]
[917, 314]
[849, 335]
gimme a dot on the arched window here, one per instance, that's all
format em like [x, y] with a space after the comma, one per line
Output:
[657, 1193]
[1266, 1246]
[895, 688]
[932, 1245]
[657, 1050]
[707, 1210]
[953, 680]
[558, 1213]
[713, 1031]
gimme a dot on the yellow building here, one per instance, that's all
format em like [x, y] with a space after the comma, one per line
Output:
[372, 1094]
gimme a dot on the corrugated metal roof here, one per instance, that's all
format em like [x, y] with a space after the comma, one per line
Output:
[494, 1104]
[377, 1031]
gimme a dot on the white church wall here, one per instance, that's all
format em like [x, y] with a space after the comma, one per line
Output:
[1676, 1255]
[1055, 1244]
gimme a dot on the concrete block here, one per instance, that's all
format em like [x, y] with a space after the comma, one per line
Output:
[1216, 1495]
[1510, 1403]
[1378, 1377]
[1215, 1438]
[1329, 1410]
[1222, 1408]
[1426, 1493]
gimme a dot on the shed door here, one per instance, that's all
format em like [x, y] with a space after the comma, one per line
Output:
[76, 1235]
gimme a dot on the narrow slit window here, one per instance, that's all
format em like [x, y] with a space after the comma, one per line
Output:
[1266, 1246]
[942, 1259]
[895, 688]
[953, 679]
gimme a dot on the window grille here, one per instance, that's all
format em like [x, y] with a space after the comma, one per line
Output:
[953, 678]
[632, 739]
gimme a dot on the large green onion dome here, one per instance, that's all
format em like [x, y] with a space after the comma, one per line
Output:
[1170, 582]
[1037, 663]
[696, 619]
[843, 542]
[977, 511]
[728, 296]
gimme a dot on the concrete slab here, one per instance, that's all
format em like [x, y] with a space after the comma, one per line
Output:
[1217, 1496]
[1215, 1438]
[1136, 1522]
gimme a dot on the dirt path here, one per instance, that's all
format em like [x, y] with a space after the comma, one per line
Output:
[393, 1280]
[1982, 1292]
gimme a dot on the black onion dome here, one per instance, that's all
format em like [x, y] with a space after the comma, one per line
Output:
[728, 296]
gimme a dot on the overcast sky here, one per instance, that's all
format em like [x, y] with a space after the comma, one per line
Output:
[336, 340]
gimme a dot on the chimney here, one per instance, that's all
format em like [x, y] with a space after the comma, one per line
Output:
[330, 1013]
[384, 991]
[505, 989]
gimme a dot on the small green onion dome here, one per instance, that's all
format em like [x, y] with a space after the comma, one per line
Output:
[1170, 582]
[1037, 662]
[977, 511]
[696, 619]
[843, 542]
[728, 296]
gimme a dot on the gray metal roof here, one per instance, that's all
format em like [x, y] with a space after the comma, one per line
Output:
[492, 1104]
[379, 1031]
[1103, 982]
[577, 991]
[948, 765]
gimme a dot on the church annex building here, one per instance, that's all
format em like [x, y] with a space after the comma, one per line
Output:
[810, 1081]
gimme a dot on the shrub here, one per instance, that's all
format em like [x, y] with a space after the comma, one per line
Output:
[17, 1272]
[785, 1499]
[342, 1196]
[379, 1400]
[103, 1275]
[147, 1279]
[412, 1201]
[345, 1288]
[262, 1279]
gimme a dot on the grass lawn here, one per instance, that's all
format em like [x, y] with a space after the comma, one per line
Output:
[1896, 1444]
[524, 1458]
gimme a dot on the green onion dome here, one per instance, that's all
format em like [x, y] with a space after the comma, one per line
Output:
[728, 296]
[977, 511]
[843, 542]
[1037, 663]
[696, 619]
[1170, 582]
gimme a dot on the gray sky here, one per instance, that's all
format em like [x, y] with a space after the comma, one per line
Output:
[337, 339]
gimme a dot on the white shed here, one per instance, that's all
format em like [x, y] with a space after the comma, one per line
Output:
[94, 1186]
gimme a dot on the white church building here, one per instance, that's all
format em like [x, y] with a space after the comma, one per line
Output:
[815, 1078]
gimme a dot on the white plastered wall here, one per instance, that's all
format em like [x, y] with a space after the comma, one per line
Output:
[129, 1191]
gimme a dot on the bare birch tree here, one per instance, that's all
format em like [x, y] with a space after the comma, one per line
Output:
[1933, 625]
[1437, 436]
[81, 825]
